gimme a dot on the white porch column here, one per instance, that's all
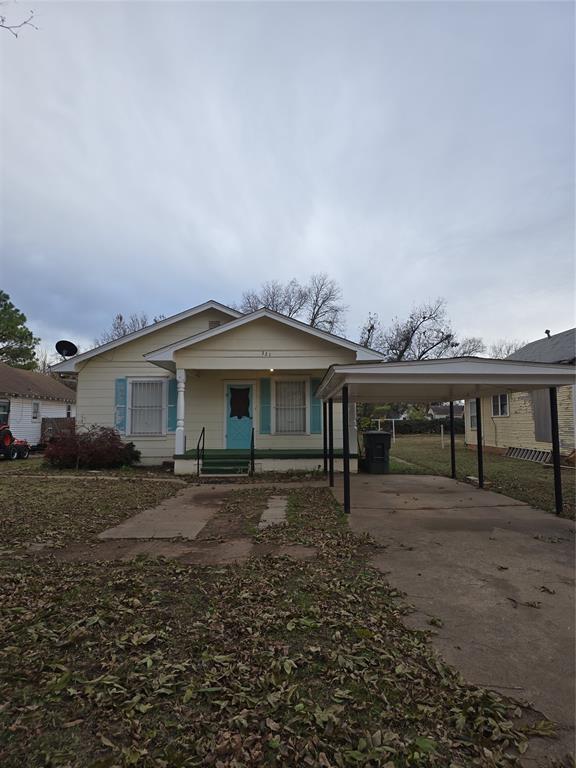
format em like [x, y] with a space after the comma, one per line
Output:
[180, 405]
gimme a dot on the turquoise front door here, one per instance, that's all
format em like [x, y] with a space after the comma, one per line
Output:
[238, 415]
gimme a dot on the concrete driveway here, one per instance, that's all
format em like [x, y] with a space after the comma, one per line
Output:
[496, 572]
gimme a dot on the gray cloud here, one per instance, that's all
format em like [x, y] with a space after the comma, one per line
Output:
[158, 154]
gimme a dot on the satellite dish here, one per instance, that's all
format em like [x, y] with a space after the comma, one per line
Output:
[66, 348]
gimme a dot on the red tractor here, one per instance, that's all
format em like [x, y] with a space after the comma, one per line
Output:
[10, 448]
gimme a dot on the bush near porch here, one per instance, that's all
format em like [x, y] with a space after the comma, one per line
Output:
[526, 481]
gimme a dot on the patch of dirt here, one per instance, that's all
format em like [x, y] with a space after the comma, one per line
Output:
[294, 551]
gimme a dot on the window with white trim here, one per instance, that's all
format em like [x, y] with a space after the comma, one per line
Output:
[500, 405]
[147, 407]
[68, 411]
[35, 410]
[290, 407]
[472, 413]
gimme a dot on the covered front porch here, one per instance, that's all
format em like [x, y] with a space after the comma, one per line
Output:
[231, 422]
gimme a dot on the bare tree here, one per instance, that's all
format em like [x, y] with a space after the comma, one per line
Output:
[425, 334]
[318, 303]
[503, 348]
[324, 308]
[45, 359]
[15, 27]
[122, 326]
[471, 346]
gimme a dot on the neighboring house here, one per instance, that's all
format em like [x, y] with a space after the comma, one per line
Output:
[215, 375]
[27, 397]
[522, 420]
[443, 411]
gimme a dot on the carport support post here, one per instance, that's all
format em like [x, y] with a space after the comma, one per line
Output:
[479, 443]
[556, 450]
[346, 449]
[452, 441]
[331, 442]
[325, 434]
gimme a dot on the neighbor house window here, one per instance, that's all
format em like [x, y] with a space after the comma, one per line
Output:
[500, 405]
[68, 411]
[146, 408]
[4, 411]
[290, 407]
[35, 410]
[472, 413]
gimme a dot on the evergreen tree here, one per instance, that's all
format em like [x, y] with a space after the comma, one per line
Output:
[17, 342]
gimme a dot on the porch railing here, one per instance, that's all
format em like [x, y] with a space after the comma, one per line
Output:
[200, 449]
[252, 452]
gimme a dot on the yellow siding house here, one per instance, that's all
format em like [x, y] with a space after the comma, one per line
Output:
[215, 377]
[522, 419]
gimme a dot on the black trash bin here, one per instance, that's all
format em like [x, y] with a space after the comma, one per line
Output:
[377, 445]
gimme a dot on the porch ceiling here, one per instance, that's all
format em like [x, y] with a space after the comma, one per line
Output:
[440, 380]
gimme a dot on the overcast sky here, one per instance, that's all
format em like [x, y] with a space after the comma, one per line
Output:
[155, 155]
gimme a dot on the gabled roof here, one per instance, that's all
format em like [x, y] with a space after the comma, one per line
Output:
[559, 348]
[70, 364]
[15, 382]
[166, 353]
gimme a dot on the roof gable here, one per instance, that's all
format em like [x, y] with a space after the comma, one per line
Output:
[69, 365]
[166, 354]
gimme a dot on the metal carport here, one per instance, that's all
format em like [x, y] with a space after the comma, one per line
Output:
[444, 380]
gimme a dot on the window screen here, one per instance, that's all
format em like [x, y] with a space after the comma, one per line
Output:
[35, 410]
[290, 406]
[147, 408]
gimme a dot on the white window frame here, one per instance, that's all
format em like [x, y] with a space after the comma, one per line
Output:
[501, 415]
[35, 410]
[147, 380]
[281, 379]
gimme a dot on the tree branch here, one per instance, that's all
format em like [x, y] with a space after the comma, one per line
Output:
[13, 28]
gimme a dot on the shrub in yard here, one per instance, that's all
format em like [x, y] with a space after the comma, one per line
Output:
[92, 448]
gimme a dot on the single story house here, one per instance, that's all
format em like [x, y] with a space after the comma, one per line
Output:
[216, 380]
[443, 411]
[28, 397]
[521, 420]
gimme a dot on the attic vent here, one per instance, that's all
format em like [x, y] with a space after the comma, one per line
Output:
[213, 324]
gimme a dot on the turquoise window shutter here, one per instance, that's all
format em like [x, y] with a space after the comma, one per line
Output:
[120, 397]
[265, 407]
[315, 409]
[172, 397]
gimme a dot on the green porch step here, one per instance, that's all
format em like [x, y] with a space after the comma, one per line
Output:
[220, 464]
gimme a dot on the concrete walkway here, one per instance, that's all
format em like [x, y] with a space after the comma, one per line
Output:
[186, 513]
[181, 516]
[496, 572]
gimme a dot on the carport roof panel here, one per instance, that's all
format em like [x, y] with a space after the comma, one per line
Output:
[457, 378]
